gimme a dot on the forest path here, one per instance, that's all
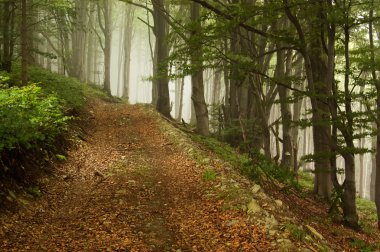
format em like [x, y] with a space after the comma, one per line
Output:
[129, 187]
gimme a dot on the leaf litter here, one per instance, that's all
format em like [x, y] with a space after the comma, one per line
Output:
[132, 186]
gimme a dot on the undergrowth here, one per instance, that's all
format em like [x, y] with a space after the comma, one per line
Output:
[253, 165]
[70, 91]
[34, 122]
[29, 116]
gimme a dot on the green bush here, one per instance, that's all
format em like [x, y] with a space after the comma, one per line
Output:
[209, 175]
[28, 116]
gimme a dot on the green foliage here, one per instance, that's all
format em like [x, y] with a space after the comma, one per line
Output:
[362, 245]
[306, 180]
[367, 214]
[4, 80]
[295, 231]
[70, 91]
[35, 191]
[224, 151]
[253, 166]
[29, 116]
[60, 157]
[273, 170]
[209, 175]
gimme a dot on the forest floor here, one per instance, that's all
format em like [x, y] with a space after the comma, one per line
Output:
[136, 183]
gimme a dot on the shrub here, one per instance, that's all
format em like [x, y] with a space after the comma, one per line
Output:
[29, 116]
[209, 175]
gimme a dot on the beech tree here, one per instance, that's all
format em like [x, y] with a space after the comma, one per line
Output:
[266, 71]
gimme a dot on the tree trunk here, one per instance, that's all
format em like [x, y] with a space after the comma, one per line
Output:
[316, 69]
[91, 47]
[349, 186]
[161, 71]
[127, 48]
[6, 61]
[197, 95]
[317, 75]
[287, 146]
[24, 44]
[297, 114]
[181, 99]
[377, 86]
[107, 44]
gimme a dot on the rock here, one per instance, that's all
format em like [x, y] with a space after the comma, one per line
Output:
[262, 195]
[314, 232]
[244, 208]
[272, 232]
[271, 222]
[255, 189]
[278, 203]
[285, 245]
[253, 207]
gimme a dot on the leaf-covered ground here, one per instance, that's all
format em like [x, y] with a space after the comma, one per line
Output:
[133, 185]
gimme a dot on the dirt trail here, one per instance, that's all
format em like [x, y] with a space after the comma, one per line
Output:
[127, 188]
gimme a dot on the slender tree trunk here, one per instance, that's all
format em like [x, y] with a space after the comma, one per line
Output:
[216, 87]
[316, 69]
[377, 86]
[297, 114]
[361, 156]
[349, 186]
[181, 99]
[154, 62]
[91, 46]
[197, 95]
[161, 71]
[287, 145]
[107, 45]
[127, 48]
[6, 62]
[24, 44]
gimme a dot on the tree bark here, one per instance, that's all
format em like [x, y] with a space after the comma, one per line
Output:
[297, 114]
[127, 48]
[287, 145]
[197, 95]
[161, 71]
[377, 86]
[316, 69]
[77, 66]
[24, 44]
[6, 61]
